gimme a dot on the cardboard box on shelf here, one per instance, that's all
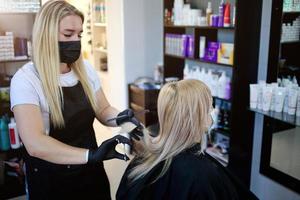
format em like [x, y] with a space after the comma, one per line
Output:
[225, 53]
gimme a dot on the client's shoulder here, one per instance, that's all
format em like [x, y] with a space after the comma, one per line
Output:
[194, 164]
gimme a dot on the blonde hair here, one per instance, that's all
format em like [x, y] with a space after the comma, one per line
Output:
[47, 61]
[184, 116]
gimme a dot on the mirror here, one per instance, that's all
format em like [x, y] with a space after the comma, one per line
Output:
[280, 157]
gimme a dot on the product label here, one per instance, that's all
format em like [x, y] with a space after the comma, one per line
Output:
[12, 136]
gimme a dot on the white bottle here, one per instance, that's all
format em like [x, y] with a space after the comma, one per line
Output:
[295, 80]
[197, 74]
[208, 13]
[214, 86]
[222, 85]
[202, 47]
[13, 134]
[186, 72]
[209, 78]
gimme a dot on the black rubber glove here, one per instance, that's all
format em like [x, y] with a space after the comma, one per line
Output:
[127, 116]
[137, 133]
[106, 150]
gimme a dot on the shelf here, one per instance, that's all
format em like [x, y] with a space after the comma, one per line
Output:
[4, 104]
[200, 27]
[198, 60]
[17, 13]
[15, 60]
[100, 24]
[215, 153]
[290, 119]
[229, 100]
[220, 131]
[291, 12]
[291, 42]
[13, 151]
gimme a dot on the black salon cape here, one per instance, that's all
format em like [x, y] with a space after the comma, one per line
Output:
[190, 176]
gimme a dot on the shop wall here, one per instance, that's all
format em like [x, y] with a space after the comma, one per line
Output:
[261, 185]
[135, 43]
[115, 40]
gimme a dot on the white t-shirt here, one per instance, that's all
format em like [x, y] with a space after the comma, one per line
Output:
[26, 88]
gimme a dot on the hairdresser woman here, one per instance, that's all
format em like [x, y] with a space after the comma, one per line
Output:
[55, 99]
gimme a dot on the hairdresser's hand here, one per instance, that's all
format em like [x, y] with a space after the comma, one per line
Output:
[127, 116]
[106, 150]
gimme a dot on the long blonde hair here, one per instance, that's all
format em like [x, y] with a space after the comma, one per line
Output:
[184, 117]
[46, 57]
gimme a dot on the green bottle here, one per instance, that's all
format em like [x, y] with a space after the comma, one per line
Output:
[4, 137]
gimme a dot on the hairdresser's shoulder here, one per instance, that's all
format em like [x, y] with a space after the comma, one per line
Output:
[89, 67]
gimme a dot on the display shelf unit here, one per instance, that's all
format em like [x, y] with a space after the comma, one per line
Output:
[99, 37]
[274, 123]
[287, 49]
[246, 34]
[21, 24]
[15, 60]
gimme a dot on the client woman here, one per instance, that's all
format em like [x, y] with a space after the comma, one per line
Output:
[173, 164]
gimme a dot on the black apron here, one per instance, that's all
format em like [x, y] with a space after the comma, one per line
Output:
[46, 180]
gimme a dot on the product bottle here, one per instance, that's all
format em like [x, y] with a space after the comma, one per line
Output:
[203, 73]
[197, 73]
[286, 100]
[298, 104]
[209, 78]
[97, 12]
[261, 85]
[103, 13]
[208, 13]
[186, 72]
[220, 116]
[227, 15]
[222, 85]
[166, 17]
[233, 16]
[214, 86]
[4, 138]
[227, 89]
[215, 115]
[29, 48]
[221, 14]
[191, 47]
[202, 47]
[226, 116]
[295, 80]
[13, 134]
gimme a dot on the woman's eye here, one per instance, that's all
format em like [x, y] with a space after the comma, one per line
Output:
[80, 35]
[67, 35]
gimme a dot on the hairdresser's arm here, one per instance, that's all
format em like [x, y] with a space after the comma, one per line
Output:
[38, 144]
[105, 110]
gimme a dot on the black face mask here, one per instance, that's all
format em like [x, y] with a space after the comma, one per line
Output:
[69, 51]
